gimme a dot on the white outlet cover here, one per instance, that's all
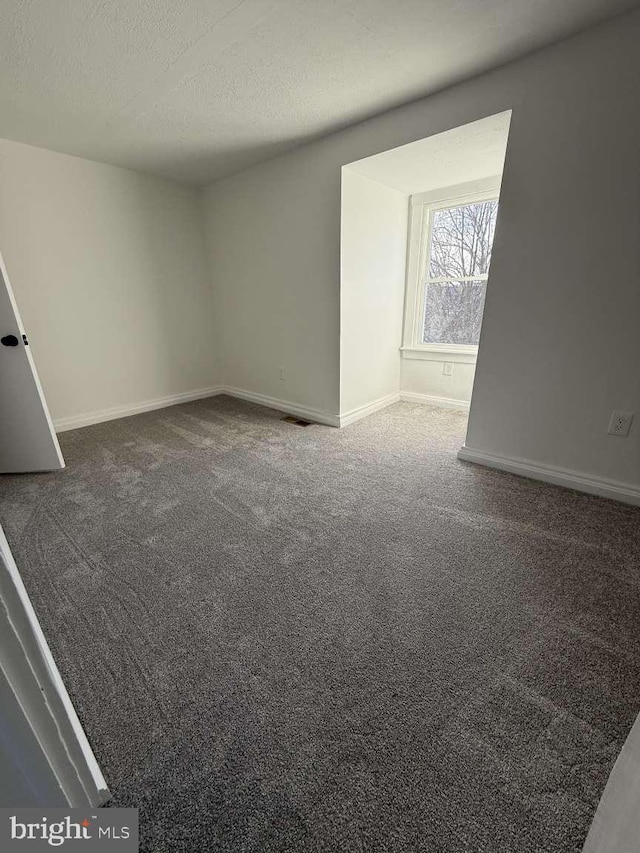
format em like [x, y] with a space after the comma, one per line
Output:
[620, 423]
[447, 368]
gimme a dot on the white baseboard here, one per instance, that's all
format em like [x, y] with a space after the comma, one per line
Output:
[303, 412]
[63, 424]
[310, 414]
[364, 411]
[89, 418]
[430, 400]
[614, 489]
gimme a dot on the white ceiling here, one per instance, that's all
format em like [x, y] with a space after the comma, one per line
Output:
[198, 89]
[468, 153]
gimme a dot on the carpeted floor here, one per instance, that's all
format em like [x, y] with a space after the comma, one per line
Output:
[303, 639]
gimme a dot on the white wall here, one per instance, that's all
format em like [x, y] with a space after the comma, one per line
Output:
[373, 255]
[110, 274]
[560, 346]
[426, 378]
[274, 246]
[560, 343]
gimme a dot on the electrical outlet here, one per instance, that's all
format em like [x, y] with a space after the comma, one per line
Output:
[447, 368]
[620, 423]
[281, 373]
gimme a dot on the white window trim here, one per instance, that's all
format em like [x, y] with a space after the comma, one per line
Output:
[421, 207]
[440, 352]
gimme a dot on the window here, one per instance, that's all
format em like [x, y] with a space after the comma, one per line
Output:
[451, 243]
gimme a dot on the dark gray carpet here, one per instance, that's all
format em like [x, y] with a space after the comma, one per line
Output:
[304, 639]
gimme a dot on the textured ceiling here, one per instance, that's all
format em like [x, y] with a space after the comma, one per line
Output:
[468, 153]
[199, 89]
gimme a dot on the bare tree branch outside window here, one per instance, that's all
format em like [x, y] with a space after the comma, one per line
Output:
[458, 267]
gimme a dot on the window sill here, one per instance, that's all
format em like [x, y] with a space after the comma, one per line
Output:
[441, 352]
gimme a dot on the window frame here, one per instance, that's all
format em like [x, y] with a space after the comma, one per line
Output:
[422, 208]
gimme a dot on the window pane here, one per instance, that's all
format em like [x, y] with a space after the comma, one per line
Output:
[453, 312]
[461, 239]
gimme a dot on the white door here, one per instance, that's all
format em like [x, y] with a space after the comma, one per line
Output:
[45, 757]
[27, 439]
